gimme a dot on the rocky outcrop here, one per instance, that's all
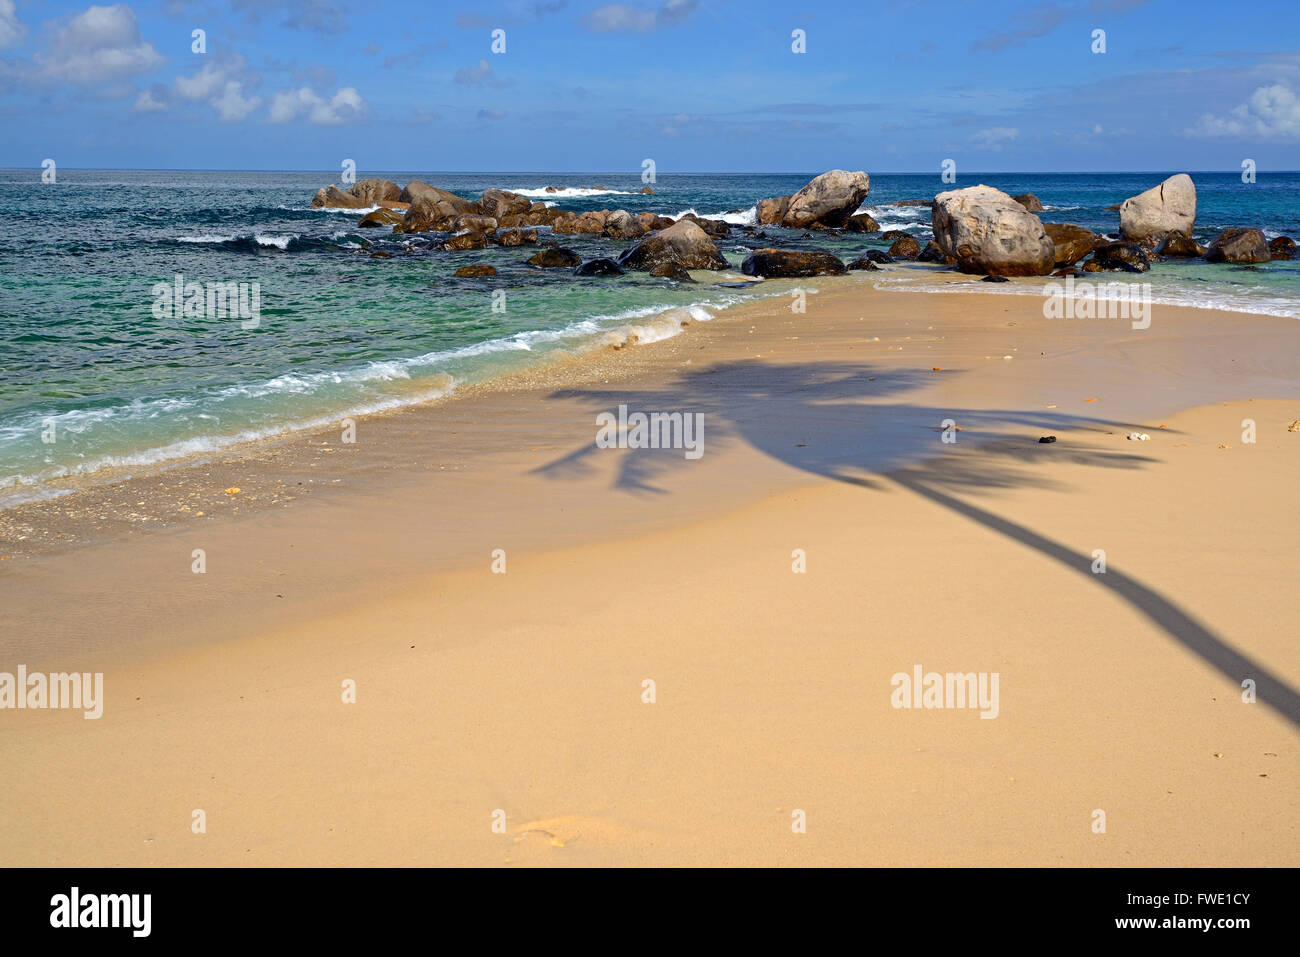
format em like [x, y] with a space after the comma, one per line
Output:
[599, 267]
[499, 202]
[651, 221]
[620, 224]
[988, 232]
[1238, 246]
[416, 190]
[1176, 244]
[683, 242]
[770, 212]
[372, 192]
[1167, 208]
[465, 241]
[1029, 201]
[476, 270]
[428, 212]
[1129, 257]
[861, 223]
[905, 247]
[1071, 242]
[559, 257]
[791, 264]
[862, 262]
[516, 237]
[474, 222]
[1283, 247]
[672, 270]
[715, 228]
[828, 201]
[331, 197]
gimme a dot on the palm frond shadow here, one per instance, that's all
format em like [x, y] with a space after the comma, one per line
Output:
[849, 422]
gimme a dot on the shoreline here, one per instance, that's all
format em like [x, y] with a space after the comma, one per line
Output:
[524, 692]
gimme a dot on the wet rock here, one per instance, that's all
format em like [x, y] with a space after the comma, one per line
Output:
[465, 241]
[672, 270]
[1029, 201]
[620, 224]
[473, 222]
[863, 263]
[559, 257]
[684, 242]
[499, 202]
[1176, 244]
[861, 223]
[771, 211]
[372, 192]
[1129, 257]
[1283, 247]
[380, 217]
[475, 271]
[599, 267]
[905, 247]
[933, 254]
[1069, 242]
[790, 264]
[1238, 246]
[516, 237]
[995, 279]
[331, 197]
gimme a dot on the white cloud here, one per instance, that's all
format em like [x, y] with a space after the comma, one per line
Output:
[1271, 112]
[202, 85]
[480, 75]
[150, 101]
[994, 137]
[621, 18]
[344, 107]
[100, 45]
[11, 31]
[232, 106]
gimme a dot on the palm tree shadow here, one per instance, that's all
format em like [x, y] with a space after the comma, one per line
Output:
[848, 422]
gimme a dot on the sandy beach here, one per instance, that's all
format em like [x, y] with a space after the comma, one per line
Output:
[500, 591]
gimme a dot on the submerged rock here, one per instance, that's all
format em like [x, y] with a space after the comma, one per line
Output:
[599, 267]
[476, 270]
[672, 270]
[555, 258]
[516, 237]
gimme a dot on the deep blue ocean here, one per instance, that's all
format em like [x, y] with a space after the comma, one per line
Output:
[91, 376]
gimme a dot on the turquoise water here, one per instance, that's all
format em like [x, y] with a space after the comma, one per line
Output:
[87, 361]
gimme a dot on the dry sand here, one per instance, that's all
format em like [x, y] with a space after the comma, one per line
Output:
[522, 692]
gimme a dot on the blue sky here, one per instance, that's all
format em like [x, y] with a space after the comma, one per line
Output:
[697, 85]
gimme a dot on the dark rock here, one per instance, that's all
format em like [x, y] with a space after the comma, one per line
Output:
[476, 270]
[516, 237]
[861, 223]
[1070, 242]
[1129, 257]
[499, 202]
[1283, 247]
[1047, 439]
[684, 241]
[790, 264]
[905, 247]
[464, 241]
[380, 217]
[599, 267]
[862, 262]
[1029, 201]
[933, 254]
[672, 270]
[890, 235]
[555, 258]
[877, 256]
[1176, 244]
[995, 279]
[1238, 246]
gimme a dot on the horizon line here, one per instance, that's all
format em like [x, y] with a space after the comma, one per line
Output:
[986, 172]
